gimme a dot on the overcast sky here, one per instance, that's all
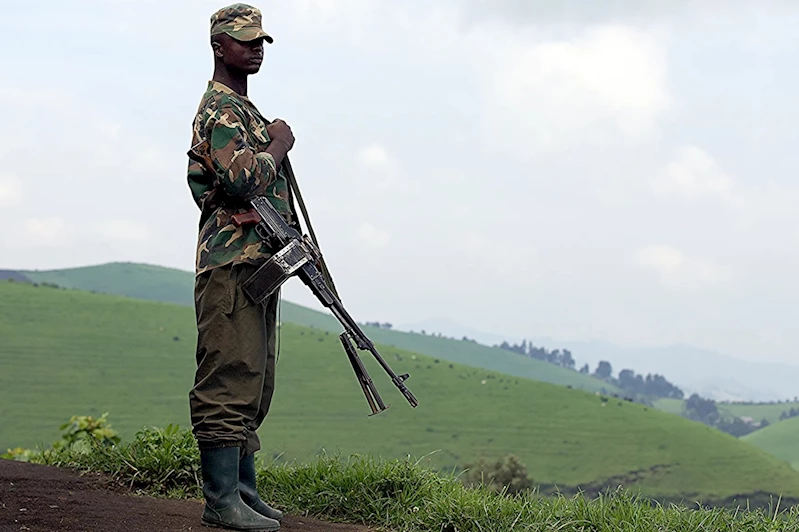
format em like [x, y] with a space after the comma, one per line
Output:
[595, 170]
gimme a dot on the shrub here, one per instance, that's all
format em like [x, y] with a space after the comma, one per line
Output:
[78, 435]
[508, 475]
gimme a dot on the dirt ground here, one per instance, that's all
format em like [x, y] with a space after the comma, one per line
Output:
[40, 498]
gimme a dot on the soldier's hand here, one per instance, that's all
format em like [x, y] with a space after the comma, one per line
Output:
[279, 131]
[282, 140]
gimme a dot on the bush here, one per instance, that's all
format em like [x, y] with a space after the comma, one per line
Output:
[78, 435]
[80, 432]
[157, 461]
[508, 475]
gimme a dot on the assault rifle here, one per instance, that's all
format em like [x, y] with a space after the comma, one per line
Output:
[297, 255]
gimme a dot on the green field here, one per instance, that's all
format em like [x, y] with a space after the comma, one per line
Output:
[142, 281]
[175, 286]
[757, 411]
[672, 406]
[780, 439]
[67, 352]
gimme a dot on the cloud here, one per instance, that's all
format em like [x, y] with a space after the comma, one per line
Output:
[75, 158]
[521, 12]
[606, 81]
[694, 175]
[678, 271]
[376, 158]
[372, 236]
[48, 231]
[10, 191]
[125, 230]
[379, 172]
[695, 178]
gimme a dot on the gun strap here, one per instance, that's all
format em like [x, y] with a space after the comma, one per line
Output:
[295, 189]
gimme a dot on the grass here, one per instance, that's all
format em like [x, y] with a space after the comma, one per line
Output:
[779, 439]
[402, 496]
[143, 281]
[672, 406]
[67, 352]
[168, 285]
[757, 411]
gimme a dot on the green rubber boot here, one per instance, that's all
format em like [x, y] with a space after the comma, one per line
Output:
[249, 492]
[223, 505]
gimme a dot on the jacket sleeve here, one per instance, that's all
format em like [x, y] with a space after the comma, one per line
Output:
[239, 170]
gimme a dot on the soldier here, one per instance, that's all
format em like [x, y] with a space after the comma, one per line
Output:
[235, 356]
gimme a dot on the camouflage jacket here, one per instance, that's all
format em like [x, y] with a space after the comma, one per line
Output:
[237, 134]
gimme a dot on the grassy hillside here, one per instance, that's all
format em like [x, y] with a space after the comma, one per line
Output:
[757, 411]
[141, 281]
[175, 286]
[67, 352]
[672, 406]
[780, 439]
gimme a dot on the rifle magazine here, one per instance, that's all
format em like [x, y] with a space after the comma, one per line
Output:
[274, 272]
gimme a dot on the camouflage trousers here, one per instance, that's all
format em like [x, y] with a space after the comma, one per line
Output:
[235, 377]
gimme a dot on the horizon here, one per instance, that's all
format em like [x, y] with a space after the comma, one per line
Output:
[551, 343]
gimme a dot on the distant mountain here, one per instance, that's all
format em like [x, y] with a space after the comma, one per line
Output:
[711, 374]
[13, 275]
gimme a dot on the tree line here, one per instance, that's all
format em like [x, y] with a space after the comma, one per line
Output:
[706, 411]
[630, 382]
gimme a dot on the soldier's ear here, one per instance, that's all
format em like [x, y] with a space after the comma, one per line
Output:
[216, 46]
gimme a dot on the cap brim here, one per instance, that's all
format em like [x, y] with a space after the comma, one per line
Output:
[250, 34]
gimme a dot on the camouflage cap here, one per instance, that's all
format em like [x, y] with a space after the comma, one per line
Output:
[240, 21]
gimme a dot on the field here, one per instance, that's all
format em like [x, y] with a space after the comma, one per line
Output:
[68, 352]
[672, 406]
[174, 286]
[757, 411]
[780, 439]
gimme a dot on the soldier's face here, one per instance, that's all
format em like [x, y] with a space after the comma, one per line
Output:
[242, 56]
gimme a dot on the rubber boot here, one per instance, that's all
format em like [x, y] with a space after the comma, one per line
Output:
[249, 492]
[223, 505]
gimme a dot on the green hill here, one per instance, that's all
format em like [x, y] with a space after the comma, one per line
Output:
[142, 281]
[175, 286]
[756, 411]
[780, 439]
[672, 406]
[68, 352]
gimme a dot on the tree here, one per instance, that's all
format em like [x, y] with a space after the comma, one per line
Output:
[628, 382]
[567, 360]
[702, 410]
[603, 370]
[510, 474]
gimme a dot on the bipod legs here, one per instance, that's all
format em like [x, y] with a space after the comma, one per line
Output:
[368, 387]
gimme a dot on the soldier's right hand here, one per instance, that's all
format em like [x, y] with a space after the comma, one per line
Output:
[282, 140]
[279, 131]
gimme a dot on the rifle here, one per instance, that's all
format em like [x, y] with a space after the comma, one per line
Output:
[297, 255]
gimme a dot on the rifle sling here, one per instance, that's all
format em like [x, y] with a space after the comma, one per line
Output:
[294, 189]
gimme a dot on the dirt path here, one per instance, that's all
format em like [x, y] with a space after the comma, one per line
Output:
[38, 498]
